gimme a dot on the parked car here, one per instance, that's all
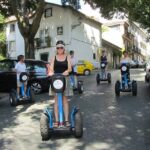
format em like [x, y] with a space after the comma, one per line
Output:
[139, 64]
[84, 67]
[133, 64]
[37, 70]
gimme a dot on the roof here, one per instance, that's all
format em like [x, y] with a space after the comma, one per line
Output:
[13, 18]
[115, 22]
[111, 44]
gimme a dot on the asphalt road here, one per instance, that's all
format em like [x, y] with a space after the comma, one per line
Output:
[110, 123]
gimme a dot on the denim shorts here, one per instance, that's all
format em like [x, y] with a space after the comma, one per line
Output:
[20, 83]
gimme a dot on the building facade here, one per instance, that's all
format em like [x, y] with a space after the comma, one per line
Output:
[133, 38]
[79, 32]
[140, 48]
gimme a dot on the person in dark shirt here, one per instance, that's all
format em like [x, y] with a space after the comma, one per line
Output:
[104, 57]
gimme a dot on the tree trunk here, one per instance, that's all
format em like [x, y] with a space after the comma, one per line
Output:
[29, 48]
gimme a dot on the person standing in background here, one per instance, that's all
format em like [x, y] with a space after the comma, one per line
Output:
[73, 74]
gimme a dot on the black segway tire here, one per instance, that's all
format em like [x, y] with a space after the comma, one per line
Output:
[134, 88]
[13, 98]
[109, 77]
[44, 127]
[80, 87]
[98, 79]
[32, 96]
[117, 88]
[78, 131]
[146, 79]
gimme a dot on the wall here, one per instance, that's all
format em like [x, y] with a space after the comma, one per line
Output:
[60, 17]
[85, 38]
[17, 37]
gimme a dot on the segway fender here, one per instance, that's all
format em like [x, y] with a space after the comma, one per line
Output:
[48, 112]
[74, 111]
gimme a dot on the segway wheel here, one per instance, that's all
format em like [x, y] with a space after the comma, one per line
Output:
[80, 87]
[78, 125]
[117, 88]
[44, 127]
[98, 79]
[134, 88]
[32, 96]
[146, 79]
[13, 98]
[109, 77]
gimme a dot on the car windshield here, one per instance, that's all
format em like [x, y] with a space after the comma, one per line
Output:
[6, 65]
[80, 62]
[38, 67]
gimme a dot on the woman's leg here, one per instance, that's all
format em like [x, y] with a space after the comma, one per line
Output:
[18, 88]
[66, 108]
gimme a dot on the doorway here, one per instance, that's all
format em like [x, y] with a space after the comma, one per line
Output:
[44, 56]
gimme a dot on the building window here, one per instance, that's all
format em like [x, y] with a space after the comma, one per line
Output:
[44, 56]
[60, 30]
[12, 46]
[94, 56]
[12, 27]
[48, 12]
[44, 39]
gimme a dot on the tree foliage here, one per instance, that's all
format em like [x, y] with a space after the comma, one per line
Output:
[135, 10]
[24, 10]
[2, 36]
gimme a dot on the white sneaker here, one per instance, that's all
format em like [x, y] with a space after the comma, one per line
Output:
[25, 96]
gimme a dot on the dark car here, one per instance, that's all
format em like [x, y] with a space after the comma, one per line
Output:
[36, 69]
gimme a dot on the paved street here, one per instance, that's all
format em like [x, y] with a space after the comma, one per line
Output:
[110, 123]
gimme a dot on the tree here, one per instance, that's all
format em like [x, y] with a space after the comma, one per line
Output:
[28, 14]
[24, 10]
[135, 10]
[2, 37]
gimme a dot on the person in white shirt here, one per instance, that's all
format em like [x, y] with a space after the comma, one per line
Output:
[20, 67]
[74, 62]
[126, 58]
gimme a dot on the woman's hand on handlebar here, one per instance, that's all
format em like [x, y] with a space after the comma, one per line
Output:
[65, 73]
[50, 73]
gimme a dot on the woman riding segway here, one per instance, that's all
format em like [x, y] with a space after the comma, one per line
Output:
[61, 64]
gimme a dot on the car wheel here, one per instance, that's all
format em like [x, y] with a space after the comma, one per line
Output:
[87, 72]
[36, 87]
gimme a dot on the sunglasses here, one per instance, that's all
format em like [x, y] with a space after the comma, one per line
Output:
[60, 48]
